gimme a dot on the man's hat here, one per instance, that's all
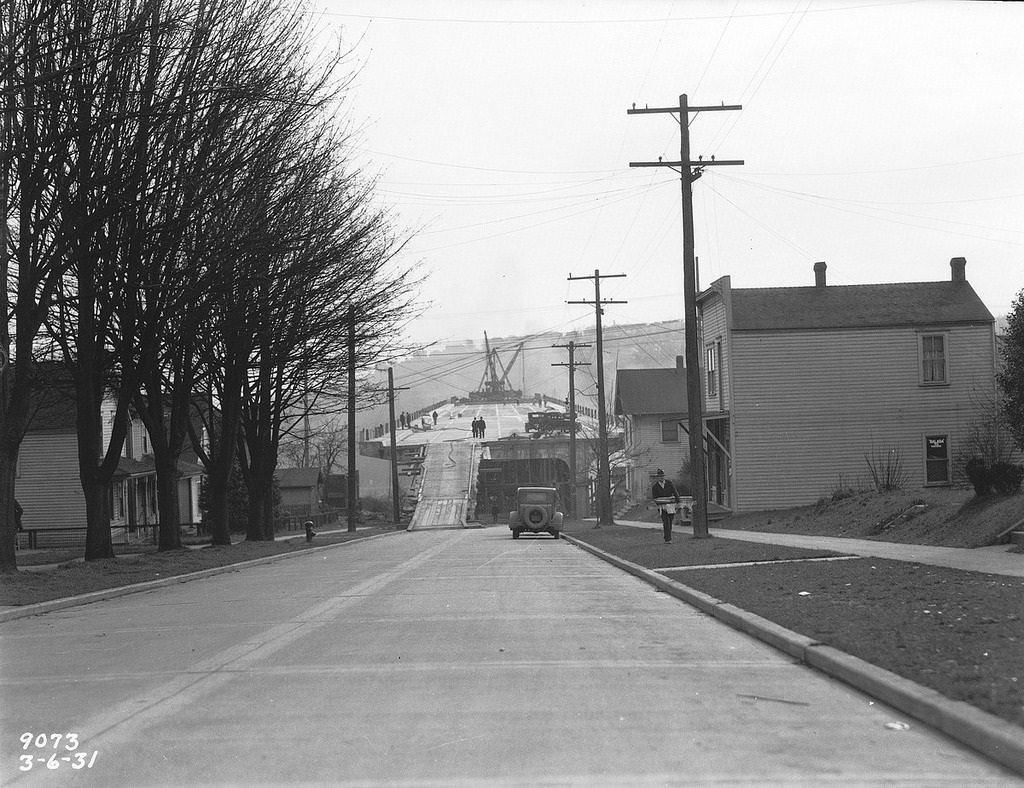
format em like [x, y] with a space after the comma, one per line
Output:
[660, 472]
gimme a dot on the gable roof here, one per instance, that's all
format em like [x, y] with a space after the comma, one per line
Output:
[857, 306]
[650, 391]
[52, 402]
[298, 477]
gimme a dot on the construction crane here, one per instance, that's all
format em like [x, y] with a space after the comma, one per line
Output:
[494, 387]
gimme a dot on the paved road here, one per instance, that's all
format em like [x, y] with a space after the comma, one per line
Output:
[449, 472]
[454, 422]
[455, 657]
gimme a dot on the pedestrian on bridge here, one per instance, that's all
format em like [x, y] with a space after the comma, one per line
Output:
[481, 427]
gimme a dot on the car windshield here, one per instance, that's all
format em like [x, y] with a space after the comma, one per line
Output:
[535, 496]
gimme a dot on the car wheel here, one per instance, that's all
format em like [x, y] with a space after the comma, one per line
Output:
[554, 532]
[537, 517]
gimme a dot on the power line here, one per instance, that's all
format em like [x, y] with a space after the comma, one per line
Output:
[604, 493]
[689, 171]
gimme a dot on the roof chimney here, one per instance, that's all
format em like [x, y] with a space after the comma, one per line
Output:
[680, 362]
[819, 274]
[957, 266]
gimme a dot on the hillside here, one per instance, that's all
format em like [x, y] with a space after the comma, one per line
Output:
[457, 368]
[947, 517]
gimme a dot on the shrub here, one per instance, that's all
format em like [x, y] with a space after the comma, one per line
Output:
[886, 469]
[843, 489]
[977, 473]
[1006, 478]
[1001, 478]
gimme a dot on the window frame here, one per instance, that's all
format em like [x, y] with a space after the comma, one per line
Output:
[674, 424]
[118, 500]
[712, 382]
[925, 363]
[931, 461]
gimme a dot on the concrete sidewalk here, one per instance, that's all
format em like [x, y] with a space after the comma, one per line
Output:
[995, 560]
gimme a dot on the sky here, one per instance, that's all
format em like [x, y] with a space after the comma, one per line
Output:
[883, 138]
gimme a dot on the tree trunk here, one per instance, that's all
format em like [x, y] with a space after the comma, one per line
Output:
[217, 504]
[98, 544]
[254, 531]
[8, 520]
[260, 484]
[167, 501]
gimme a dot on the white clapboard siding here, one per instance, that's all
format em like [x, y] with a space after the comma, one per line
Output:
[809, 405]
[648, 452]
[48, 486]
[713, 330]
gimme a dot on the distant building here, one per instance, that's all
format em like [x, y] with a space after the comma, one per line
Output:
[652, 406]
[804, 386]
[301, 490]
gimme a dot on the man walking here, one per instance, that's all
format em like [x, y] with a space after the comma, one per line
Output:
[665, 495]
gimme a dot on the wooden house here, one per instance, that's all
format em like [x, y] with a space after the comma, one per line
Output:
[651, 404]
[302, 490]
[49, 490]
[810, 389]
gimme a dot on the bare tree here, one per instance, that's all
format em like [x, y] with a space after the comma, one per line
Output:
[34, 236]
[339, 259]
[1011, 374]
[183, 225]
[69, 113]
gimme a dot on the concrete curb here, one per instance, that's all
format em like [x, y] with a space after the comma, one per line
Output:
[24, 611]
[995, 738]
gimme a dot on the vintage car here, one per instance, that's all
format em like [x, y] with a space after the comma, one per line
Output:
[546, 422]
[536, 510]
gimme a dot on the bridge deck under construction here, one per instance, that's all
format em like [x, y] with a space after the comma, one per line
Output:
[447, 489]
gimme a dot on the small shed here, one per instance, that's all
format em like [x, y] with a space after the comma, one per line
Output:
[301, 489]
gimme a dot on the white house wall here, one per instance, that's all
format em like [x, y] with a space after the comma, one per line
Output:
[807, 406]
[188, 500]
[48, 485]
[647, 452]
[714, 330]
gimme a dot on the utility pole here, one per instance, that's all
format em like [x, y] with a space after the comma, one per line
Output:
[572, 346]
[604, 493]
[689, 171]
[395, 497]
[353, 478]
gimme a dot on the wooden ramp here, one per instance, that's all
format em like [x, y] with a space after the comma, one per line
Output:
[448, 486]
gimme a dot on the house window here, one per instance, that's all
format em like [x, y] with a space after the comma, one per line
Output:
[117, 501]
[670, 431]
[936, 459]
[711, 370]
[933, 359]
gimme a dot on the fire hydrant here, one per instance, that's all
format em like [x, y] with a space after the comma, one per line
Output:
[310, 533]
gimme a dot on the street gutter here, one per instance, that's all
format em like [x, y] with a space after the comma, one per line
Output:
[993, 737]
